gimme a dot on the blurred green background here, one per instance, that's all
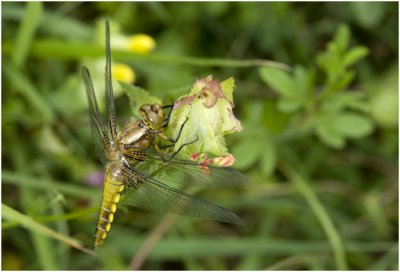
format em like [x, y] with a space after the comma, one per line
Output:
[319, 144]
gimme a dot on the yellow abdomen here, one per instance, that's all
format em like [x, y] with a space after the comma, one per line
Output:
[113, 186]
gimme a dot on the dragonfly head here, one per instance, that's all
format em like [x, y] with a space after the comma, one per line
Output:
[153, 115]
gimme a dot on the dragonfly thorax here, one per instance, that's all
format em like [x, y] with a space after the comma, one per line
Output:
[140, 134]
[132, 133]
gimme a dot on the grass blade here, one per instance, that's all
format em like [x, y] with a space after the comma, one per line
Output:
[10, 214]
[320, 213]
[41, 183]
[78, 51]
[29, 91]
[26, 32]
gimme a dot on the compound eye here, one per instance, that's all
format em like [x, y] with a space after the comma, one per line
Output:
[155, 119]
[151, 116]
[145, 107]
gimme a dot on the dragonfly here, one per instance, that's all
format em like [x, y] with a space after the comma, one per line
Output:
[132, 162]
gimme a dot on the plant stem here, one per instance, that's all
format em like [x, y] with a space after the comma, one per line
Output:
[320, 212]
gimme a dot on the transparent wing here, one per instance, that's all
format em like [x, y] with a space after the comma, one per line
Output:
[99, 129]
[110, 106]
[151, 194]
[189, 172]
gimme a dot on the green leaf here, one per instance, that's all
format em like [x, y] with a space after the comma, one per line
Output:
[280, 81]
[354, 55]
[346, 100]
[227, 87]
[368, 14]
[272, 118]
[305, 82]
[385, 105]
[246, 152]
[329, 62]
[253, 113]
[292, 89]
[300, 77]
[289, 104]
[327, 131]
[333, 127]
[330, 136]
[268, 158]
[138, 96]
[342, 38]
[354, 125]
[343, 81]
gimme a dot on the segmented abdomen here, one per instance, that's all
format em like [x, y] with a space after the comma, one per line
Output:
[113, 186]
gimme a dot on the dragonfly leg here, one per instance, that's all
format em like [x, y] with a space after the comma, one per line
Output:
[161, 154]
[185, 144]
[166, 146]
[163, 136]
[166, 122]
[173, 141]
[132, 152]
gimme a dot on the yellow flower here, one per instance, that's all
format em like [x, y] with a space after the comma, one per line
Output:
[123, 72]
[141, 43]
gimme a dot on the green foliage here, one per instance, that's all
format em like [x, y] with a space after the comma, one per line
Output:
[368, 14]
[334, 128]
[316, 94]
[293, 90]
[336, 60]
[330, 108]
[384, 102]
